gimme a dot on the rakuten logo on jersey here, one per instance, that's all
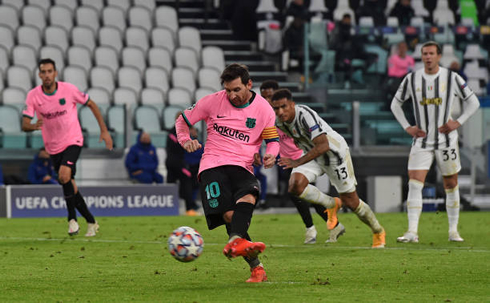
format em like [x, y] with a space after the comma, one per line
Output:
[230, 133]
[54, 115]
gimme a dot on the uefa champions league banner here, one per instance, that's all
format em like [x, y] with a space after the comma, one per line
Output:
[32, 201]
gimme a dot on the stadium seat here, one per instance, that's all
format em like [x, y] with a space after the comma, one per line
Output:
[102, 77]
[30, 36]
[153, 97]
[97, 4]
[83, 36]
[25, 56]
[186, 57]
[160, 57]
[472, 52]
[100, 96]
[366, 21]
[394, 38]
[6, 38]
[56, 54]
[16, 4]
[380, 66]
[474, 84]
[111, 36]
[87, 16]
[130, 77]
[417, 52]
[445, 37]
[209, 77]
[157, 78]
[166, 16]
[190, 37]
[9, 17]
[43, 4]
[317, 6]
[61, 16]
[122, 4]
[419, 9]
[184, 78]
[107, 56]
[168, 115]
[163, 37]
[114, 16]
[125, 96]
[417, 22]
[179, 97]
[80, 56]
[448, 55]
[146, 118]
[56, 36]
[392, 22]
[116, 122]
[90, 128]
[34, 15]
[202, 92]
[72, 5]
[137, 37]
[11, 135]
[77, 76]
[213, 57]
[134, 57]
[14, 96]
[4, 60]
[444, 17]
[148, 4]
[140, 17]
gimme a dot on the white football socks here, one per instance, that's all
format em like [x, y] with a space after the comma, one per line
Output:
[313, 195]
[366, 215]
[452, 208]
[414, 204]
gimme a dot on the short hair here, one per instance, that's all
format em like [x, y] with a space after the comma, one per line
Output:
[346, 16]
[281, 94]
[432, 43]
[233, 71]
[46, 61]
[269, 84]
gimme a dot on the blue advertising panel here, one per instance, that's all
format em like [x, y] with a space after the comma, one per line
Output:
[130, 200]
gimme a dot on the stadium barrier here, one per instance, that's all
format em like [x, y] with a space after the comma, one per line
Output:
[34, 201]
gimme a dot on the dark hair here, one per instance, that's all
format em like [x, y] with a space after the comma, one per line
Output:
[46, 61]
[233, 71]
[346, 16]
[269, 84]
[432, 43]
[281, 94]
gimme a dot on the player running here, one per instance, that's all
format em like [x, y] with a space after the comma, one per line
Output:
[55, 104]
[327, 153]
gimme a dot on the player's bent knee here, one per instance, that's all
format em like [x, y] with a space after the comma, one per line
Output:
[227, 216]
[64, 178]
[296, 188]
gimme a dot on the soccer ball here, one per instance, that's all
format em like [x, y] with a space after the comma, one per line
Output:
[185, 244]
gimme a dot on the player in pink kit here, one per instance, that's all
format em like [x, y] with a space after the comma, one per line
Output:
[55, 104]
[237, 121]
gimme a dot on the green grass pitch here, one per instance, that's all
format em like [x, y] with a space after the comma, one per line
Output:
[129, 261]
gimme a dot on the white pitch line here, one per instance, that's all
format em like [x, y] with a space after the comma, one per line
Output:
[464, 248]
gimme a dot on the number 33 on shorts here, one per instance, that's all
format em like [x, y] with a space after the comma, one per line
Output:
[448, 160]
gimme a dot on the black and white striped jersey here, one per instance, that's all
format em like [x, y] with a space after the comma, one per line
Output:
[432, 100]
[308, 125]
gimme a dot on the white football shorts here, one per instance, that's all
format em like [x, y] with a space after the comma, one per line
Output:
[341, 176]
[447, 159]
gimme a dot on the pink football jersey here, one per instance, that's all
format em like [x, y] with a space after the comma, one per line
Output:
[234, 133]
[58, 111]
